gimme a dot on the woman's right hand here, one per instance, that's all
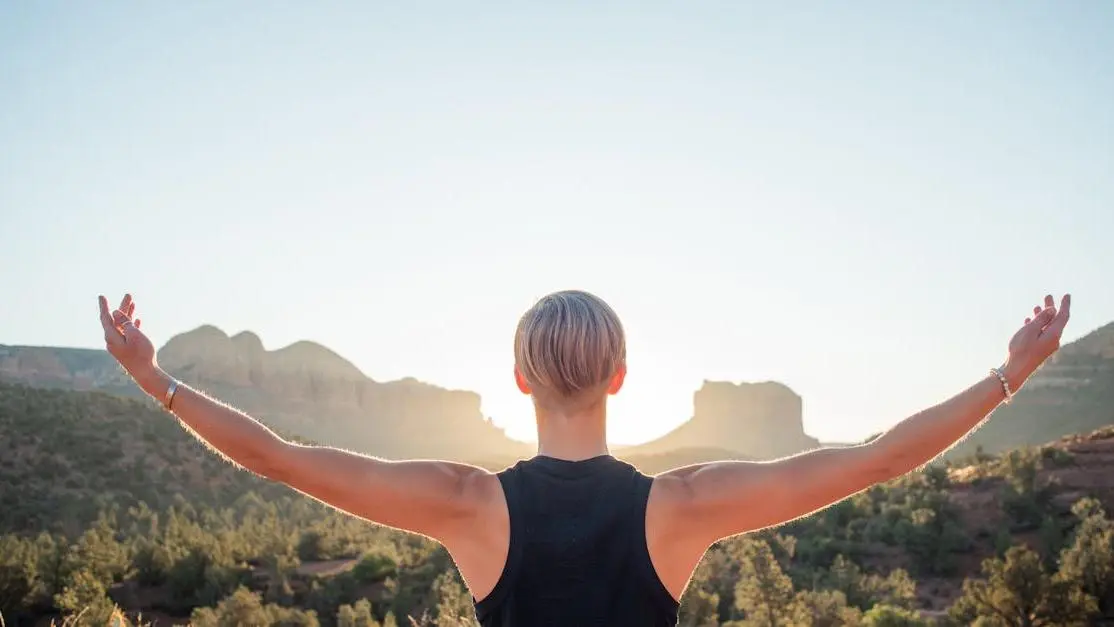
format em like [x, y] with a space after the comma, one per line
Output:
[124, 341]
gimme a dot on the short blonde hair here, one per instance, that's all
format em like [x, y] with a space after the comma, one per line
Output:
[569, 344]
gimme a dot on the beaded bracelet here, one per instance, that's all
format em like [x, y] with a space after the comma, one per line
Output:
[1005, 383]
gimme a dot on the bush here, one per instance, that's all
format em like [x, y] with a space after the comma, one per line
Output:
[374, 567]
[890, 616]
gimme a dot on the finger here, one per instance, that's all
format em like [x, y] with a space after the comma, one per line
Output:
[1036, 311]
[1044, 317]
[1027, 321]
[106, 318]
[131, 332]
[120, 319]
[1049, 301]
[125, 305]
[138, 322]
[131, 309]
[111, 333]
[1061, 319]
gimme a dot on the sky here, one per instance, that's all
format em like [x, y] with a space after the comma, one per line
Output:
[861, 201]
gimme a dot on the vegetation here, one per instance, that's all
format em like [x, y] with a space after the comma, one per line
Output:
[107, 510]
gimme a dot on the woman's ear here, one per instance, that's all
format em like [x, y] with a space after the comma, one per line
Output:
[520, 381]
[617, 380]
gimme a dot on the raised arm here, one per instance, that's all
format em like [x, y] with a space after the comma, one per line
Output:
[432, 498]
[692, 507]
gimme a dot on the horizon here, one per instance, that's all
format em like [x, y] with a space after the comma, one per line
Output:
[860, 203]
[620, 444]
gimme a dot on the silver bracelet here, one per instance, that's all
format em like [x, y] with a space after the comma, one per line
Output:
[171, 390]
[1005, 383]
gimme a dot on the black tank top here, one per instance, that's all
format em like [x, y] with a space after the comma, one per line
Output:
[577, 555]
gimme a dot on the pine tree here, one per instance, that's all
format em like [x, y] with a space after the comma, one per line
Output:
[1017, 592]
[764, 592]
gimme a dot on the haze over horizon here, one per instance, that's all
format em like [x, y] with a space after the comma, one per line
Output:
[861, 202]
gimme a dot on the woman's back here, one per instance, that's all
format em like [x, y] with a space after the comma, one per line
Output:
[577, 553]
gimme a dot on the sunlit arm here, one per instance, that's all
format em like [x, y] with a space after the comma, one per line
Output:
[426, 497]
[721, 499]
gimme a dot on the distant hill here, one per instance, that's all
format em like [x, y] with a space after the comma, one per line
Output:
[67, 368]
[66, 454]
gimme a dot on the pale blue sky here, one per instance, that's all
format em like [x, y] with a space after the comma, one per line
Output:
[861, 200]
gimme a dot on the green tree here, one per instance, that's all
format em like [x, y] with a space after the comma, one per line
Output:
[932, 536]
[1089, 559]
[764, 592]
[50, 564]
[717, 575]
[17, 573]
[825, 608]
[358, 615]
[243, 608]
[454, 603]
[84, 601]
[699, 608]
[1017, 592]
[1026, 502]
[866, 590]
[889, 616]
[374, 566]
[99, 554]
[312, 545]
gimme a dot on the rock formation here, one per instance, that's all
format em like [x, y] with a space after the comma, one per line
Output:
[755, 420]
[309, 390]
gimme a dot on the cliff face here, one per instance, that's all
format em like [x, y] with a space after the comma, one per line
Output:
[309, 390]
[755, 420]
